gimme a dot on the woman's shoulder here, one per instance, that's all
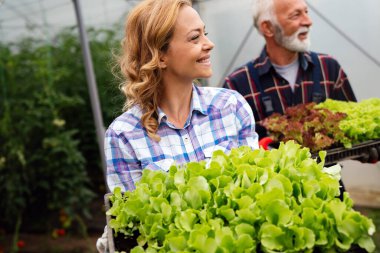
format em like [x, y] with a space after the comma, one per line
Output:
[217, 91]
[127, 122]
[218, 96]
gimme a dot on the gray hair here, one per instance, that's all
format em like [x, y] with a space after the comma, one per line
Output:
[263, 10]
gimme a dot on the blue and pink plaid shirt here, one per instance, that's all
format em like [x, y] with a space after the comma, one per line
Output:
[219, 119]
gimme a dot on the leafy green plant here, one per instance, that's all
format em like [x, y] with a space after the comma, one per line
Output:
[49, 157]
[280, 200]
[312, 127]
[363, 118]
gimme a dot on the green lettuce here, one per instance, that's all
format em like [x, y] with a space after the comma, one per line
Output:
[280, 200]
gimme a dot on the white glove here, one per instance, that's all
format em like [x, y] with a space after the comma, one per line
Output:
[102, 242]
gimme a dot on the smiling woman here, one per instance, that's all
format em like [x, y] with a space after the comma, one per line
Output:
[188, 56]
[169, 120]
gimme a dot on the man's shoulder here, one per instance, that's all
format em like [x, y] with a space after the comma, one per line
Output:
[325, 58]
[239, 71]
[244, 69]
[242, 73]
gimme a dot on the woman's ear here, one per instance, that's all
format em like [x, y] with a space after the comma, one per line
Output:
[162, 61]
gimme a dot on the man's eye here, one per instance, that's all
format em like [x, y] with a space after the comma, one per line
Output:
[295, 15]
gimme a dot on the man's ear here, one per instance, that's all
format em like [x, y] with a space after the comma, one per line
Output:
[267, 28]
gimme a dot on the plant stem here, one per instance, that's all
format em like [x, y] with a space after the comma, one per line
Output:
[16, 233]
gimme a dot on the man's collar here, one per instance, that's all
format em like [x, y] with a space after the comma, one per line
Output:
[305, 60]
[264, 64]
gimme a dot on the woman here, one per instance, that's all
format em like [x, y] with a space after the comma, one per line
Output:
[168, 119]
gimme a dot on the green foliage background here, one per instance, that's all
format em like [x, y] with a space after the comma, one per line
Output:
[49, 156]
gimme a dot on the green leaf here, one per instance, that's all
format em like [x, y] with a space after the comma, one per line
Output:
[278, 213]
[245, 243]
[186, 220]
[304, 238]
[227, 213]
[138, 249]
[245, 229]
[367, 243]
[178, 243]
[272, 237]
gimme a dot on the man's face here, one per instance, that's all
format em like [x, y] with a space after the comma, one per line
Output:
[293, 25]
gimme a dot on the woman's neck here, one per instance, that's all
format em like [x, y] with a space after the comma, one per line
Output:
[175, 102]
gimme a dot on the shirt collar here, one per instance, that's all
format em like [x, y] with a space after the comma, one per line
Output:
[305, 60]
[263, 64]
[197, 104]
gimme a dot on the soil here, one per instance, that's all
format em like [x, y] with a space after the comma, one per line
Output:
[46, 244]
[69, 243]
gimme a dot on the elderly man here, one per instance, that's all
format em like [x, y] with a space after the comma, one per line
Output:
[287, 73]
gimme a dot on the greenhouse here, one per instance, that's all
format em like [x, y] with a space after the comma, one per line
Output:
[189, 126]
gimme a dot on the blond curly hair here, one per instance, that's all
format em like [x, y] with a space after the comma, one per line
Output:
[148, 30]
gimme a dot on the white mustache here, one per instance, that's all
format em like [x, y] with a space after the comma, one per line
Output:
[303, 30]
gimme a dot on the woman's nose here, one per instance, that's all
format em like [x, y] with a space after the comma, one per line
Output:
[208, 44]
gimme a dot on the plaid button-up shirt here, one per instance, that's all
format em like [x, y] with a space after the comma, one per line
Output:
[220, 119]
[333, 81]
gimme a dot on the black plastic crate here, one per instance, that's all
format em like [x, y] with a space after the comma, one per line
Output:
[362, 152]
[119, 242]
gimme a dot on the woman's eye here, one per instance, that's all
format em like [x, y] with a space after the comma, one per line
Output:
[195, 37]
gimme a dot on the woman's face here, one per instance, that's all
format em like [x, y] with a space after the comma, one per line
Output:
[188, 55]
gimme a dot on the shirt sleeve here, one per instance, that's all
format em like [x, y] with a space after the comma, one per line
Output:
[123, 168]
[228, 84]
[246, 123]
[342, 88]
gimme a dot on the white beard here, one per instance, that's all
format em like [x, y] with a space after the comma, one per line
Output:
[292, 42]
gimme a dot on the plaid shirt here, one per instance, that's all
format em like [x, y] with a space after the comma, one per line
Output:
[219, 119]
[334, 84]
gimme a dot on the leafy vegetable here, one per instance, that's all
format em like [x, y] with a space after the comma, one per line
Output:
[315, 128]
[363, 119]
[280, 200]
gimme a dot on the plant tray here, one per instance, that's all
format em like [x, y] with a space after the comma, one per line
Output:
[120, 243]
[360, 151]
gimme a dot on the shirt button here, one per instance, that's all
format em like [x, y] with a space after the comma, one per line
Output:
[186, 140]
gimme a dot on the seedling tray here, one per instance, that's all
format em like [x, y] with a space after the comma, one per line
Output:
[362, 152]
[120, 243]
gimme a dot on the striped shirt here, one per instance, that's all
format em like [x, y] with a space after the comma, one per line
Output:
[219, 119]
[334, 84]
